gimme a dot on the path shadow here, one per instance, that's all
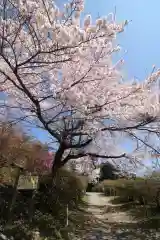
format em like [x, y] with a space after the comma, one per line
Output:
[144, 228]
[147, 215]
[128, 231]
[105, 230]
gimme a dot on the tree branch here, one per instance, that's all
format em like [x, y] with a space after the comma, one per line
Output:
[81, 145]
[144, 142]
[80, 155]
[137, 126]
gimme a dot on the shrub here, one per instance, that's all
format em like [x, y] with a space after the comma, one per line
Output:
[65, 188]
[50, 202]
[8, 175]
[141, 190]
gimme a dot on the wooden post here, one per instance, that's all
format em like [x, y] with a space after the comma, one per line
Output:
[114, 193]
[32, 203]
[67, 214]
[145, 207]
[14, 196]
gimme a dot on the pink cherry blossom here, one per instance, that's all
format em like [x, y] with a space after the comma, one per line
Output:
[57, 70]
[48, 160]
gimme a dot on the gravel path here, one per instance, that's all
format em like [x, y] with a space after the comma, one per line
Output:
[113, 225]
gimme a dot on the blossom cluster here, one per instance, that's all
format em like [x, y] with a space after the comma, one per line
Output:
[56, 64]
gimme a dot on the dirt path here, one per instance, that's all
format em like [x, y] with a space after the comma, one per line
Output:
[111, 225]
[103, 209]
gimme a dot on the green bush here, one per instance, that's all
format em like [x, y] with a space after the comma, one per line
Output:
[109, 187]
[8, 175]
[50, 203]
[65, 188]
[144, 191]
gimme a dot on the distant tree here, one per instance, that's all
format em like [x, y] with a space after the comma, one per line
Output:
[38, 159]
[153, 174]
[13, 145]
[108, 171]
[17, 148]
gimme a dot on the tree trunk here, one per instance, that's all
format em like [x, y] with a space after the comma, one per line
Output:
[57, 163]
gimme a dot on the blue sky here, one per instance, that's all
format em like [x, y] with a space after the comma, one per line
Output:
[141, 37]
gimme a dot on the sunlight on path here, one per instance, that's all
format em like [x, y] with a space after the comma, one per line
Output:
[98, 204]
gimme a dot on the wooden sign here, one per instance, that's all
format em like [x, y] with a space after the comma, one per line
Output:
[28, 182]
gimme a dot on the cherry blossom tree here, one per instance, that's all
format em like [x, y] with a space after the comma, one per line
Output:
[57, 73]
[17, 149]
